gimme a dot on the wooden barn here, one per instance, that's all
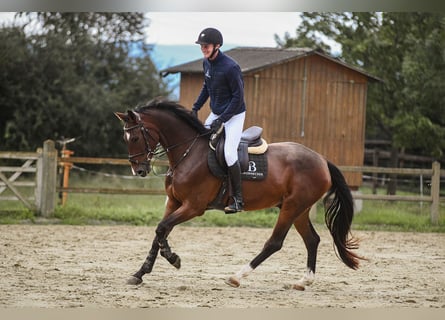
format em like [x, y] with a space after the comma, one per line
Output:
[299, 95]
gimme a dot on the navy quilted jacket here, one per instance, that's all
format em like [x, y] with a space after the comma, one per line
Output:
[223, 83]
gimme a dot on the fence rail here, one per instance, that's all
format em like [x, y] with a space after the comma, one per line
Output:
[46, 162]
[113, 191]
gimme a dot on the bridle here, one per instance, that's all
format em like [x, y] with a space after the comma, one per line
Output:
[148, 150]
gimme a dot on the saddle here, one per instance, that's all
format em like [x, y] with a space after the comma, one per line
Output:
[251, 154]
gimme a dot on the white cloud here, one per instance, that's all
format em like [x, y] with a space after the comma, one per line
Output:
[238, 28]
[6, 17]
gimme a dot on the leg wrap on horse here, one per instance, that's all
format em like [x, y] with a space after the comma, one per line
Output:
[148, 264]
[146, 267]
[171, 257]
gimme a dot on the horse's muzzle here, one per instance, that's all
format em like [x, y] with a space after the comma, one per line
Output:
[141, 173]
[142, 170]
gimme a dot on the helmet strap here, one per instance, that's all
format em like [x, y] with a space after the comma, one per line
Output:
[214, 51]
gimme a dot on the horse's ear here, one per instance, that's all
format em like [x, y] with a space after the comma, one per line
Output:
[122, 116]
[126, 117]
[131, 115]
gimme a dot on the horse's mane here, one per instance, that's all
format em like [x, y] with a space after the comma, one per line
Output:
[175, 108]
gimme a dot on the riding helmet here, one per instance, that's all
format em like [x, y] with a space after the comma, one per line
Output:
[210, 36]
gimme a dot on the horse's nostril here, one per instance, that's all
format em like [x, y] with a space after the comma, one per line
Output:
[142, 173]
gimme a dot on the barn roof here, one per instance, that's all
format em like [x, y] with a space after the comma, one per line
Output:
[256, 58]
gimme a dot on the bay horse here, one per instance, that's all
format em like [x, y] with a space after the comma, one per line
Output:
[297, 177]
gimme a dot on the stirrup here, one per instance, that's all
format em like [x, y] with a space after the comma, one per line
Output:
[234, 207]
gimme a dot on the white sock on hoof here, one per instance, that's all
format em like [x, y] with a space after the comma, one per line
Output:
[243, 272]
[307, 279]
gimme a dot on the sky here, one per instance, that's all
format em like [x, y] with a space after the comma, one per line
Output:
[238, 28]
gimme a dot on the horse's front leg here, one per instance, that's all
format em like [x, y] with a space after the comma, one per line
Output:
[184, 213]
[159, 243]
[161, 235]
[147, 266]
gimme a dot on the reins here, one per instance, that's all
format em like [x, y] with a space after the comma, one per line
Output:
[184, 155]
[167, 149]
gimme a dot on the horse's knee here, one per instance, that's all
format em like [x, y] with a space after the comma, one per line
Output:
[161, 230]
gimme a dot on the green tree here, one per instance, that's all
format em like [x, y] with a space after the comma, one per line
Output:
[67, 76]
[406, 51]
[15, 62]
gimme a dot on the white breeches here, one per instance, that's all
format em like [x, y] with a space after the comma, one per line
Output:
[234, 129]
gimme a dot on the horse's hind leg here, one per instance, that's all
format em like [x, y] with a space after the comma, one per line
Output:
[271, 246]
[311, 240]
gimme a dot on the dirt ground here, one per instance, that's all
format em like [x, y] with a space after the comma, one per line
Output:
[87, 266]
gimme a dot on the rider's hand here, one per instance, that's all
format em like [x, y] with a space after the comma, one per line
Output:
[194, 113]
[216, 124]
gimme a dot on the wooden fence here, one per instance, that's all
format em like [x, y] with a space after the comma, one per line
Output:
[45, 161]
[45, 170]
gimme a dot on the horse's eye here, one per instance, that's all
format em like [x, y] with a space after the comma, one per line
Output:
[134, 139]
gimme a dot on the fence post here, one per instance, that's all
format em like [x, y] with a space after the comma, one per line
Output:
[435, 193]
[45, 192]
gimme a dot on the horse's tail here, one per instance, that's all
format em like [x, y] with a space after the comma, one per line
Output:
[338, 218]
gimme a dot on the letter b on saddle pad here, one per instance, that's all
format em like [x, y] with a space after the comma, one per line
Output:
[251, 155]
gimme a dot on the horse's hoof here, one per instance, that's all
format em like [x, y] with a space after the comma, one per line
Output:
[233, 282]
[298, 287]
[134, 281]
[177, 263]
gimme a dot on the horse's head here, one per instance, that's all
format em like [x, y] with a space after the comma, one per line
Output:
[141, 142]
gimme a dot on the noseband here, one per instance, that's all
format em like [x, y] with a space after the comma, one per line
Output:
[148, 149]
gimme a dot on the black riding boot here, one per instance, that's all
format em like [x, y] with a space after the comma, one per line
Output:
[235, 180]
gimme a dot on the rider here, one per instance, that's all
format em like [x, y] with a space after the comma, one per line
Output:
[223, 83]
